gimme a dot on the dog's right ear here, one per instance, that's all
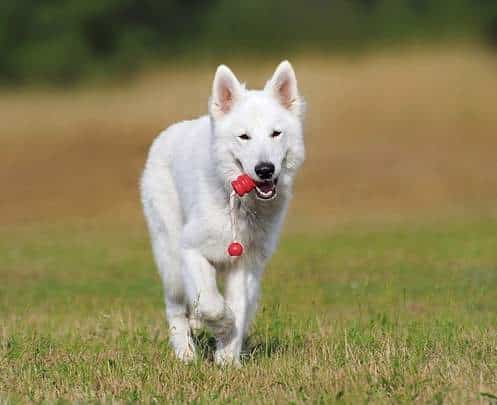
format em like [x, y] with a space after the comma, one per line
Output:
[226, 90]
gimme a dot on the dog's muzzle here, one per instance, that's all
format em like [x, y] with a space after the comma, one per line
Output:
[266, 190]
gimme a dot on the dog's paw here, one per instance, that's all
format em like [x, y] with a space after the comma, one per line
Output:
[226, 358]
[184, 349]
[186, 354]
[224, 326]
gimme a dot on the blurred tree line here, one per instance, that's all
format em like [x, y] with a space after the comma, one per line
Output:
[65, 40]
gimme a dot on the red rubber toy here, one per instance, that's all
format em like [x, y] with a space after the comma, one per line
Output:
[235, 249]
[243, 184]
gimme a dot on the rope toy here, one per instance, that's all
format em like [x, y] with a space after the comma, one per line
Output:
[241, 186]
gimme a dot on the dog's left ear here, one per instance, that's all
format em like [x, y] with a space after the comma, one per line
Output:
[283, 86]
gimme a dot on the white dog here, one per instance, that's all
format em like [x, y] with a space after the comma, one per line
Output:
[185, 190]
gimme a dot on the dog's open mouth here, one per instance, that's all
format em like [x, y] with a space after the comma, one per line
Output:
[266, 190]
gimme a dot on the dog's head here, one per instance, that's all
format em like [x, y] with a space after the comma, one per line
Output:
[258, 132]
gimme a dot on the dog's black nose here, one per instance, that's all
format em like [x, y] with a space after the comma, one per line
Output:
[264, 170]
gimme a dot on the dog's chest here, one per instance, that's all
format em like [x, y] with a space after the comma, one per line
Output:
[253, 227]
[253, 223]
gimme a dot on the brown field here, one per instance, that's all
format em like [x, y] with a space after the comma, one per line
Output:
[390, 135]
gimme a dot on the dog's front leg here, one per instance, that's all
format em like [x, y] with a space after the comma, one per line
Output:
[203, 295]
[241, 296]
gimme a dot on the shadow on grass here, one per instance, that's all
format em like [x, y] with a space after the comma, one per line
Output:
[205, 343]
[254, 348]
[259, 347]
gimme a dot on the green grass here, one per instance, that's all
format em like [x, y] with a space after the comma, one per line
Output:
[397, 314]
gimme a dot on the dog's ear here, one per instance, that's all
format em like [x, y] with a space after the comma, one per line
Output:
[226, 90]
[283, 86]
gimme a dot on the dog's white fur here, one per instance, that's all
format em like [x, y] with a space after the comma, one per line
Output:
[185, 192]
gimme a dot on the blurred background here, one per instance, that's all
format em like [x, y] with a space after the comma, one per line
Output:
[402, 99]
[402, 96]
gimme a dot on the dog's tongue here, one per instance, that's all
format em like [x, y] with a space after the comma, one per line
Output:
[266, 186]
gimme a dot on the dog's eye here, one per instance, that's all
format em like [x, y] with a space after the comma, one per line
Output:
[275, 134]
[245, 137]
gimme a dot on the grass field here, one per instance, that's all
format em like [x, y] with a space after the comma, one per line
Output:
[398, 314]
[384, 288]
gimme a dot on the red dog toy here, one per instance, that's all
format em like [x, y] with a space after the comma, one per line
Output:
[235, 249]
[241, 186]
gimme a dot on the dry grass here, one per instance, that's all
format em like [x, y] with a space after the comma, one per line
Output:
[388, 136]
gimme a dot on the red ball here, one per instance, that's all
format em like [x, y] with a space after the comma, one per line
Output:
[235, 249]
